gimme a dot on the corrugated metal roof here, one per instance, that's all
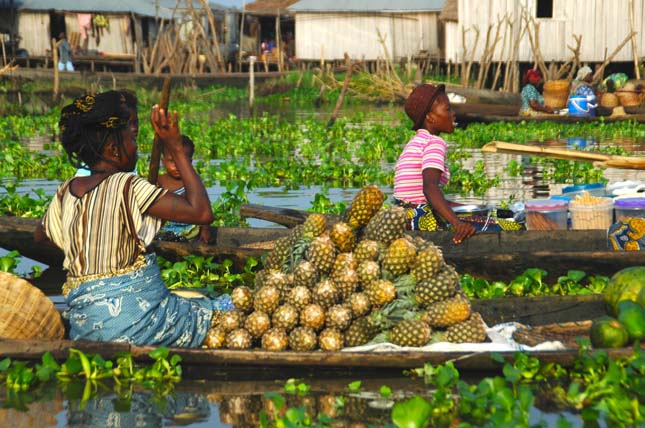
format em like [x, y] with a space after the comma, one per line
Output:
[368, 6]
[161, 8]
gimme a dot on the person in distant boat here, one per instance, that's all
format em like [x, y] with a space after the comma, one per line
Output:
[613, 82]
[532, 99]
[104, 223]
[421, 170]
[171, 180]
[581, 85]
[64, 54]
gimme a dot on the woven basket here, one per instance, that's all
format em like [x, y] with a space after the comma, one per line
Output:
[25, 311]
[609, 100]
[564, 332]
[556, 93]
[629, 98]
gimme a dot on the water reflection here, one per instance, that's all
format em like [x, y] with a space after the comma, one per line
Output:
[242, 405]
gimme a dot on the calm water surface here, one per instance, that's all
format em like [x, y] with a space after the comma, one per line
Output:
[235, 404]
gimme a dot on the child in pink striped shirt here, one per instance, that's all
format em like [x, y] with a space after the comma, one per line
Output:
[421, 169]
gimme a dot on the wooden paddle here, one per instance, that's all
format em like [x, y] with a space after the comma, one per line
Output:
[283, 216]
[600, 160]
[155, 155]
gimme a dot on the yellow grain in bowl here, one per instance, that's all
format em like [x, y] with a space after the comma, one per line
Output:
[591, 212]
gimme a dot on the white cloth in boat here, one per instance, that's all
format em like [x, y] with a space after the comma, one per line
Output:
[500, 335]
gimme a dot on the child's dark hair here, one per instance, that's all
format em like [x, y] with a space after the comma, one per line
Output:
[186, 143]
[87, 124]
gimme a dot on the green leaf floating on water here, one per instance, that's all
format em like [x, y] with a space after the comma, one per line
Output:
[412, 413]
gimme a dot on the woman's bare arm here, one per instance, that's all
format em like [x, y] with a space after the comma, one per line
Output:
[194, 206]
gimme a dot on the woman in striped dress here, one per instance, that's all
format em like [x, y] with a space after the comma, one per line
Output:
[421, 170]
[104, 222]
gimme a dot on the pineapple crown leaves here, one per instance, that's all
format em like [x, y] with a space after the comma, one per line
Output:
[297, 254]
[393, 312]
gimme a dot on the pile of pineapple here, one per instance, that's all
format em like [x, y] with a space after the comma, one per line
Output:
[357, 281]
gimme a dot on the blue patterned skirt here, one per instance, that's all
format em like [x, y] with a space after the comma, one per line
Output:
[138, 308]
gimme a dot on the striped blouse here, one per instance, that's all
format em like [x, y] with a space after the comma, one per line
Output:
[423, 151]
[95, 231]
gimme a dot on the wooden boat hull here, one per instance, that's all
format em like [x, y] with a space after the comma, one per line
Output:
[488, 113]
[496, 255]
[212, 363]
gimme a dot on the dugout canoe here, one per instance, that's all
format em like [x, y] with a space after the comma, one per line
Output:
[491, 255]
[468, 113]
[256, 363]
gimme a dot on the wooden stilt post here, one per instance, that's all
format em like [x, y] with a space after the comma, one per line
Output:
[637, 71]
[252, 80]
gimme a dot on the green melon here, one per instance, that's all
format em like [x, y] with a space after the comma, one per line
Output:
[607, 332]
[632, 316]
[641, 298]
[626, 284]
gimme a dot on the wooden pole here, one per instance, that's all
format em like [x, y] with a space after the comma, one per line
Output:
[599, 159]
[55, 45]
[239, 52]
[155, 155]
[278, 41]
[637, 71]
[598, 74]
[252, 80]
[211, 23]
[4, 52]
[341, 97]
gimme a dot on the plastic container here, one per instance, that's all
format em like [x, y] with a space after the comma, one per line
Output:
[546, 214]
[596, 215]
[629, 207]
[581, 106]
[594, 189]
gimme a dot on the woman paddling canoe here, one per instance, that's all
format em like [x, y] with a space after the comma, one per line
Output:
[103, 223]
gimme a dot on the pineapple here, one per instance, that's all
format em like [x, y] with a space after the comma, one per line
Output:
[275, 339]
[330, 339]
[360, 304]
[215, 338]
[381, 292]
[285, 317]
[438, 288]
[388, 226]
[366, 250]
[325, 293]
[328, 405]
[361, 331]
[412, 332]
[472, 330]
[266, 299]
[299, 296]
[277, 279]
[302, 339]
[339, 317]
[280, 253]
[342, 235]
[368, 272]
[344, 261]
[346, 282]
[427, 264]
[230, 320]
[366, 203]
[242, 298]
[239, 339]
[258, 281]
[257, 324]
[305, 274]
[447, 312]
[313, 317]
[399, 257]
[313, 226]
[322, 253]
